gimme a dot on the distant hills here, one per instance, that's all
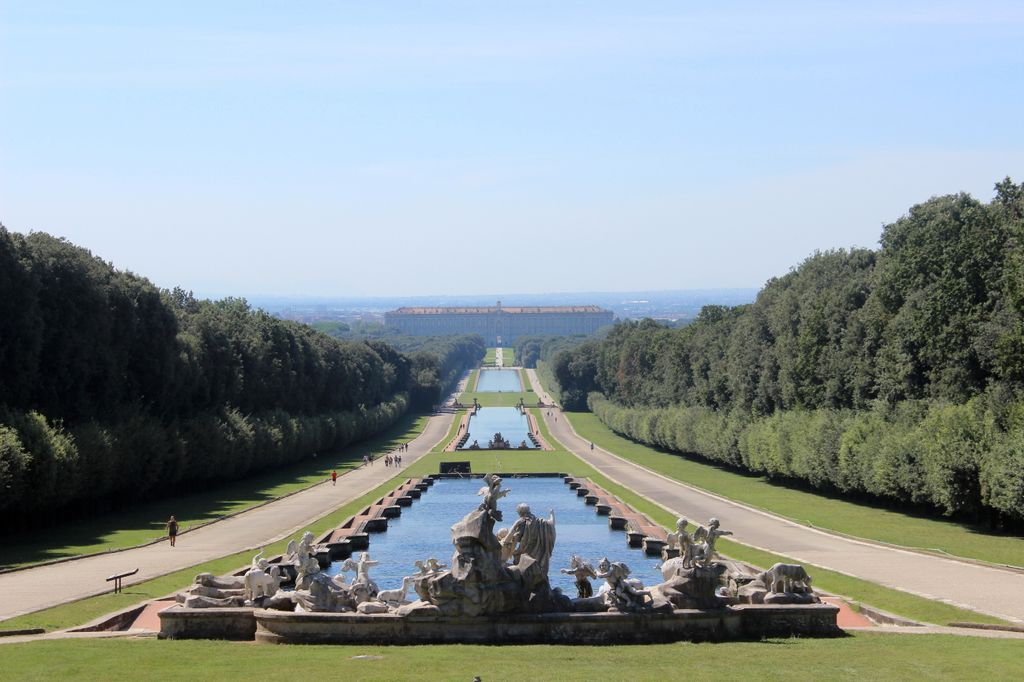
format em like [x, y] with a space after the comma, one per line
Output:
[680, 305]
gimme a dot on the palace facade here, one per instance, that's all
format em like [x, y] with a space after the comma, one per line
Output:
[500, 324]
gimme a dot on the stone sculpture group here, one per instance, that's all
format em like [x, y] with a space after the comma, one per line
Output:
[506, 571]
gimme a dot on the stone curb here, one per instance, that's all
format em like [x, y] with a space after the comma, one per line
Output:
[868, 541]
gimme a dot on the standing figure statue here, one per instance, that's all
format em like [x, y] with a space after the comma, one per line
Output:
[492, 492]
[533, 537]
[682, 540]
[298, 551]
[363, 572]
[704, 553]
[583, 572]
[362, 587]
[305, 571]
[506, 550]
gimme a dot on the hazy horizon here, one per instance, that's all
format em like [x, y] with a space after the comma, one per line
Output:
[355, 149]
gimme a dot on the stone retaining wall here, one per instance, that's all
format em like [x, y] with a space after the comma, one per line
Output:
[729, 623]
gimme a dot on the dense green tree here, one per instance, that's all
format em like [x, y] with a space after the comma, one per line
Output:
[897, 373]
[111, 389]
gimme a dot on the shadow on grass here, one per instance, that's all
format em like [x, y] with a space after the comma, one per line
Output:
[784, 486]
[143, 522]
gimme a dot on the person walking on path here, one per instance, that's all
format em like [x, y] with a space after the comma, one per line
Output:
[334, 477]
[172, 529]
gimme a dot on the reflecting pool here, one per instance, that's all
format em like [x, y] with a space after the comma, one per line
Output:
[424, 530]
[509, 421]
[493, 380]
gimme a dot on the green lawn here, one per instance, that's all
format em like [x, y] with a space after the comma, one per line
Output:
[561, 461]
[525, 381]
[815, 509]
[509, 356]
[452, 431]
[864, 656]
[145, 522]
[499, 399]
[547, 380]
[77, 613]
[901, 603]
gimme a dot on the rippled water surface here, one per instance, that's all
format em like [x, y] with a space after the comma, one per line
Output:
[424, 530]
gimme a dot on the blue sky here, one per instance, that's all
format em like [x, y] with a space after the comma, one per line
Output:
[389, 148]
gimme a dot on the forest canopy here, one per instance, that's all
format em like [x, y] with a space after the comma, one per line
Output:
[894, 373]
[112, 389]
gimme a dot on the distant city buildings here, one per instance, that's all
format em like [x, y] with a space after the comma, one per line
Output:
[499, 324]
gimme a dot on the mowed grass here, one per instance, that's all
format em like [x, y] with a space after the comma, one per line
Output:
[816, 509]
[85, 610]
[561, 461]
[143, 523]
[508, 358]
[453, 430]
[863, 656]
[499, 398]
[558, 461]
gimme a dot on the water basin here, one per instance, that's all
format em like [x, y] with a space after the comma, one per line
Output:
[424, 530]
[509, 421]
[497, 380]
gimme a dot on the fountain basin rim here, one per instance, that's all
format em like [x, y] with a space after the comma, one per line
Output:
[744, 621]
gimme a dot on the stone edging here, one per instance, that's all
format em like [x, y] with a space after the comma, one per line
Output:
[827, 531]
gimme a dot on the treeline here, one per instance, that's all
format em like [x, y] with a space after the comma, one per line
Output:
[112, 390]
[896, 373]
[530, 350]
[437, 362]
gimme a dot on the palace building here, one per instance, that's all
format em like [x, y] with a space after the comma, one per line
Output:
[499, 324]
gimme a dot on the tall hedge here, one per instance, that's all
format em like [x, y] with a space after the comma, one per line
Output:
[896, 372]
[945, 456]
[112, 389]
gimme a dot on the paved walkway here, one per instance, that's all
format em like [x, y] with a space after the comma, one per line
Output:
[989, 590]
[34, 589]
[981, 588]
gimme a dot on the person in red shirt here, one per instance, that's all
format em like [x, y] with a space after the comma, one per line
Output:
[334, 477]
